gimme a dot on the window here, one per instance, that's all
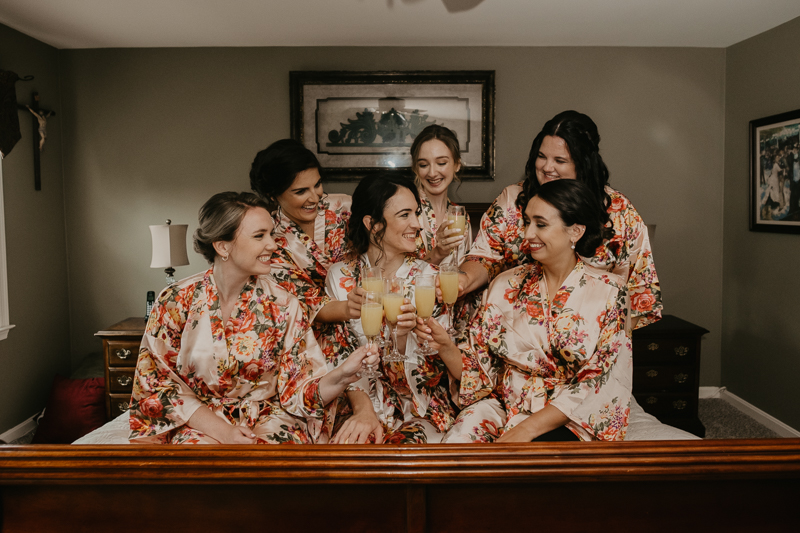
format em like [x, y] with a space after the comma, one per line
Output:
[4, 319]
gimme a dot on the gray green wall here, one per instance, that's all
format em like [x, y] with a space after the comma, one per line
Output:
[38, 347]
[761, 274]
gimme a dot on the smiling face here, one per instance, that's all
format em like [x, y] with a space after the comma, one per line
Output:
[435, 167]
[301, 200]
[250, 251]
[554, 161]
[402, 224]
[549, 239]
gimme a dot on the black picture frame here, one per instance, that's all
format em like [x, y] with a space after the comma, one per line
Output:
[361, 122]
[775, 173]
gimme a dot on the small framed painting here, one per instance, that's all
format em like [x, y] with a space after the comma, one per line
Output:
[775, 173]
[361, 122]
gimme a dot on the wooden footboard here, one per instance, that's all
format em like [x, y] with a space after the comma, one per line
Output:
[749, 485]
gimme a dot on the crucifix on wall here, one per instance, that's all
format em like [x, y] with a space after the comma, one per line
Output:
[39, 117]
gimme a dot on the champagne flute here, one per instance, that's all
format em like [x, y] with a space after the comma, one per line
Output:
[371, 320]
[424, 297]
[457, 219]
[372, 280]
[448, 282]
[392, 300]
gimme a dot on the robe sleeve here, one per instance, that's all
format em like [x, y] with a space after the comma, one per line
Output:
[296, 280]
[643, 285]
[482, 351]
[493, 247]
[161, 400]
[598, 398]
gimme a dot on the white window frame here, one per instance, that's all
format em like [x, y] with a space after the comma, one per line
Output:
[5, 324]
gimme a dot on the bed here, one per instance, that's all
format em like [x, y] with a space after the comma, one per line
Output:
[100, 484]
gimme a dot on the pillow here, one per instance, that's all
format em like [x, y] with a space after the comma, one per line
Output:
[75, 407]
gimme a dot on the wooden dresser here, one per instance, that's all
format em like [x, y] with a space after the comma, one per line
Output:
[666, 372]
[120, 352]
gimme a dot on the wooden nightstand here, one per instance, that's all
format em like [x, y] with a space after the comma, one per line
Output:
[666, 372]
[120, 352]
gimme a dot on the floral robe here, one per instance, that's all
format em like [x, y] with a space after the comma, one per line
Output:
[501, 245]
[526, 351]
[261, 369]
[411, 400]
[426, 240]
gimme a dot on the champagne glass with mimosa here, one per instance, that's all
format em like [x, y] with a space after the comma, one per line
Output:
[371, 321]
[392, 300]
[448, 282]
[372, 280]
[457, 219]
[424, 298]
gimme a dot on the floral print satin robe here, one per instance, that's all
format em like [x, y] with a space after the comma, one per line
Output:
[260, 369]
[526, 350]
[426, 240]
[411, 400]
[501, 245]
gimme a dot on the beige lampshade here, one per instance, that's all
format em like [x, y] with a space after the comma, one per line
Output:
[169, 245]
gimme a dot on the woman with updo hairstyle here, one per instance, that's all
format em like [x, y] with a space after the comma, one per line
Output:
[568, 148]
[309, 231]
[548, 357]
[228, 356]
[436, 161]
[410, 402]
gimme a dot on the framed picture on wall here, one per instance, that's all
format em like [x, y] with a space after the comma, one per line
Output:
[361, 122]
[775, 173]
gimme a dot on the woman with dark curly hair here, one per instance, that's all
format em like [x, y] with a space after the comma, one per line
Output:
[548, 356]
[410, 403]
[227, 355]
[568, 148]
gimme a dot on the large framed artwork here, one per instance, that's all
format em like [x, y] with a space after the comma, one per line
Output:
[775, 173]
[361, 122]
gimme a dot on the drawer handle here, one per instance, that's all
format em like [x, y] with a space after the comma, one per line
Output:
[124, 380]
[681, 378]
[652, 373]
[651, 400]
[679, 404]
[123, 353]
[122, 407]
[680, 351]
[652, 346]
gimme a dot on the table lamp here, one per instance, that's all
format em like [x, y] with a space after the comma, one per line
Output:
[169, 248]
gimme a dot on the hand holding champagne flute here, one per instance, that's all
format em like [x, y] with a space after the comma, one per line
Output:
[457, 220]
[424, 297]
[371, 321]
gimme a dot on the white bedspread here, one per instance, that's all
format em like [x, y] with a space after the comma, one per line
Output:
[641, 426]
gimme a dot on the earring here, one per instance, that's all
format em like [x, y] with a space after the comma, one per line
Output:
[573, 245]
[225, 257]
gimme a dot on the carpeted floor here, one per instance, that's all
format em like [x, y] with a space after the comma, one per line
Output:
[724, 421]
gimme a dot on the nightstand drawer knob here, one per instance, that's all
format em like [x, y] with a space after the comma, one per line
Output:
[124, 380]
[652, 373]
[652, 346]
[681, 378]
[680, 351]
[123, 353]
[679, 404]
[123, 406]
[651, 400]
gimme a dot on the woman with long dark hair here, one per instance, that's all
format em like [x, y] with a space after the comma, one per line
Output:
[568, 148]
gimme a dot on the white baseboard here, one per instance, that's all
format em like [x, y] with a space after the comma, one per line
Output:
[20, 430]
[765, 419]
[711, 392]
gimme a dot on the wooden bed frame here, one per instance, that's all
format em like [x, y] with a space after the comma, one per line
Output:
[736, 485]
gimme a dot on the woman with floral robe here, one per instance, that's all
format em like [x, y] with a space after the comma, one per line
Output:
[550, 347]
[568, 148]
[228, 355]
[411, 400]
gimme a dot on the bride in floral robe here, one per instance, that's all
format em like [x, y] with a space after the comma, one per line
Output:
[228, 356]
[550, 347]
[411, 401]
[625, 251]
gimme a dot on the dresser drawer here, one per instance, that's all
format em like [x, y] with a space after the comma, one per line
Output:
[663, 378]
[122, 353]
[120, 380]
[654, 351]
[119, 403]
[668, 405]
